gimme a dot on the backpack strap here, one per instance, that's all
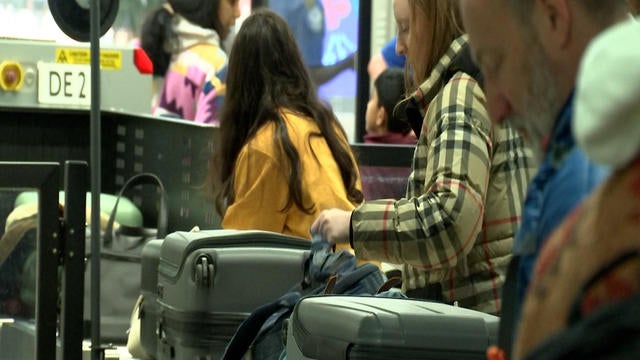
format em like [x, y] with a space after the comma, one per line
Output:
[365, 279]
[331, 283]
[391, 283]
[248, 331]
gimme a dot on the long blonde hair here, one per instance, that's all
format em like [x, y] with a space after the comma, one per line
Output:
[444, 26]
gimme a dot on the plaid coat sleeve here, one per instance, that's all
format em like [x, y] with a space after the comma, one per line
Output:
[437, 224]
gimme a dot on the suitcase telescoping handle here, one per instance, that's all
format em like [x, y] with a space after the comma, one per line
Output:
[139, 179]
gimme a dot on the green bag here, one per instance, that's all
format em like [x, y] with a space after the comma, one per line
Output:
[128, 213]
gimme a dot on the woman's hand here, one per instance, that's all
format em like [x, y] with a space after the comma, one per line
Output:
[334, 225]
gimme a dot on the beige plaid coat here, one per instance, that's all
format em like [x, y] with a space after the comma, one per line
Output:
[464, 196]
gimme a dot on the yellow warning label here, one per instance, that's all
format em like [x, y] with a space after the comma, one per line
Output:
[109, 59]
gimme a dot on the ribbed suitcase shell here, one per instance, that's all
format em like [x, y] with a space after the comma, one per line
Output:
[209, 281]
[355, 327]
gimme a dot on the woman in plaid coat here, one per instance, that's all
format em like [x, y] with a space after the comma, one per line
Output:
[453, 232]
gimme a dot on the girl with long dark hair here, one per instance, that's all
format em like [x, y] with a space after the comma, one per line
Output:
[454, 230]
[282, 156]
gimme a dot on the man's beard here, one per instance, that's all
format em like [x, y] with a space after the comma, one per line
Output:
[541, 104]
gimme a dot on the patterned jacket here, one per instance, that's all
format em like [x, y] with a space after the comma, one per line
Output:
[194, 85]
[597, 232]
[456, 225]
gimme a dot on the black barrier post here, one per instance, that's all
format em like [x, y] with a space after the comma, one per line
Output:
[45, 177]
[71, 318]
[364, 53]
[97, 351]
[47, 263]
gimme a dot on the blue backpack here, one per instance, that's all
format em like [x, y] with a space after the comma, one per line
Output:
[326, 272]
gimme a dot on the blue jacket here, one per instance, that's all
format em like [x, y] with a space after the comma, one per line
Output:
[563, 181]
[389, 54]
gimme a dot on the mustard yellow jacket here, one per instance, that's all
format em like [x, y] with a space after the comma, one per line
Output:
[260, 181]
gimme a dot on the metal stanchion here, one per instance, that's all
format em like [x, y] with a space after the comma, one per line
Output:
[97, 351]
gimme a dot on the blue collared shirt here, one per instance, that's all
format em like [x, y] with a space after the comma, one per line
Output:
[565, 178]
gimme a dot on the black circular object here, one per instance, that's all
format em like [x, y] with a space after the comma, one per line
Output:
[74, 19]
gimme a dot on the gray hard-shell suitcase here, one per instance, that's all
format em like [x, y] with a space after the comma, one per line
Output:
[209, 282]
[357, 327]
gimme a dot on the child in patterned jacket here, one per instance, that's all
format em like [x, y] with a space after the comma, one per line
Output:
[183, 39]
